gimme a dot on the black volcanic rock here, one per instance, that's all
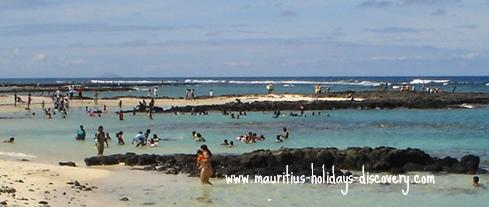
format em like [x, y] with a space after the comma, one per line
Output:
[372, 100]
[468, 164]
[273, 162]
[69, 163]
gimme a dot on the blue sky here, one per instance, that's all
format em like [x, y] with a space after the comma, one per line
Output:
[89, 38]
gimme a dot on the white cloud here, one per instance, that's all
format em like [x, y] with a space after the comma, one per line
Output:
[471, 55]
[39, 57]
[16, 52]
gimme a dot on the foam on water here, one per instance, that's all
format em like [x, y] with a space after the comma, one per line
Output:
[427, 81]
[17, 155]
[288, 82]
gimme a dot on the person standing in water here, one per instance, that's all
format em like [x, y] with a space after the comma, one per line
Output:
[120, 138]
[100, 138]
[155, 92]
[121, 115]
[206, 170]
[192, 93]
[317, 89]
[269, 88]
[81, 133]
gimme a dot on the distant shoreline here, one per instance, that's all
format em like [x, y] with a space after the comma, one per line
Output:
[273, 102]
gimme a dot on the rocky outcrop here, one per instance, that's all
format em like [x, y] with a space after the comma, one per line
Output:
[273, 162]
[371, 100]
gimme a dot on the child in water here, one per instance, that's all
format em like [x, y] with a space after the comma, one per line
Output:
[107, 137]
[120, 139]
[10, 140]
[475, 181]
[200, 157]
[153, 142]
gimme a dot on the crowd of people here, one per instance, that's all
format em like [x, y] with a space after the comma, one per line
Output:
[190, 94]
[251, 138]
[102, 138]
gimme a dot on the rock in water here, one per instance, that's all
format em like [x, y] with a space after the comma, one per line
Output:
[272, 162]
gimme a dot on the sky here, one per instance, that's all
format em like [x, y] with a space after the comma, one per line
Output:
[160, 38]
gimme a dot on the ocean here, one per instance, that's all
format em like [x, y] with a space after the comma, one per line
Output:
[252, 85]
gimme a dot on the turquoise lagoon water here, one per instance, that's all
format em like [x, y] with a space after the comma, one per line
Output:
[442, 132]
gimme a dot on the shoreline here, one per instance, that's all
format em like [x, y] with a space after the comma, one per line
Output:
[273, 102]
[57, 185]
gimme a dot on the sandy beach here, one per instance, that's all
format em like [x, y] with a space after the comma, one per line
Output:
[29, 183]
[6, 101]
[26, 183]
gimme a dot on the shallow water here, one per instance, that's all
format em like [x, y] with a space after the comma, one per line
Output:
[449, 190]
[441, 132]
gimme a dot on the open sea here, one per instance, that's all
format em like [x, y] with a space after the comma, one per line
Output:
[440, 132]
[251, 85]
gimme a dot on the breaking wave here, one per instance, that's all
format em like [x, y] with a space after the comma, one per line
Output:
[17, 154]
[427, 81]
[287, 82]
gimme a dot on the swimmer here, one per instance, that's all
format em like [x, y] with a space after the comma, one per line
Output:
[231, 144]
[225, 143]
[284, 134]
[10, 140]
[81, 134]
[278, 140]
[199, 138]
[475, 181]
